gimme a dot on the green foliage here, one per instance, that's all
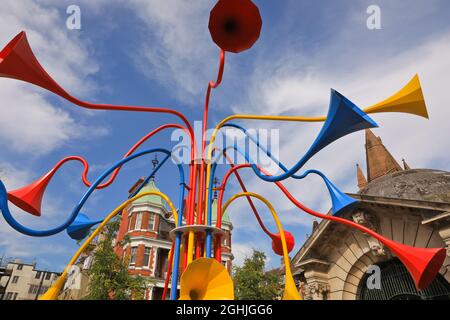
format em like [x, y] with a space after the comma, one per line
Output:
[109, 277]
[251, 282]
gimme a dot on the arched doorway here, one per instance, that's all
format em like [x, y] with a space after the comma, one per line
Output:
[397, 284]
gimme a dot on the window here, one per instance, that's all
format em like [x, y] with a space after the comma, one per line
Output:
[225, 241]
[38, 274]
[151, 221]
[9, 296]
[129, 222]
[138, 223]
[146, 256]
[33, 289]
[15, 279]
[19, 267]
[15, 296]
[48, 276]
[133, 255]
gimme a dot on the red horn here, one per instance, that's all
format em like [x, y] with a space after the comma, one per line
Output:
[422, 263]
[235, 25]
[29, 198]
[17, 61]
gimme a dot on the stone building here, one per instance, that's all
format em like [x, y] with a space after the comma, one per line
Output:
[26, 282]
[5, 277]
[147, 223]
[76, 286]
[410, 206]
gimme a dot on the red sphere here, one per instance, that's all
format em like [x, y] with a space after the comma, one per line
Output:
[235, 25]
[277, 246]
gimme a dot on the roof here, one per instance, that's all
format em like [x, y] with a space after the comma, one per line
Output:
[153, 199]
[225, 215]
[416, 184]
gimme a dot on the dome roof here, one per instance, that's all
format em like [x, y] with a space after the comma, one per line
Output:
[153, 199]
[225, 216]
[416, 184]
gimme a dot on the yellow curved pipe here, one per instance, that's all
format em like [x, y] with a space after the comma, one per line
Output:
[290, 290]
[53, 291]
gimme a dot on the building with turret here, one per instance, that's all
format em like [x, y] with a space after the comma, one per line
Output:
[410, 206]
[146, 224]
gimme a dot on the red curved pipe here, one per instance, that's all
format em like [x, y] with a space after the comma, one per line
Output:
[192, 175]
[201, 193]
[116, 171]
[244, 189]
[169, 271]
[296, 203]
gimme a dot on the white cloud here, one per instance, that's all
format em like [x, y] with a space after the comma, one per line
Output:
[240, 252]
[418, 140]
[178, 51]
[297, 84]
[28, 122]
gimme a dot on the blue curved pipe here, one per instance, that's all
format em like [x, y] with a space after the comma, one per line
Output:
[340, 201]
[44, 233]
[343, 117]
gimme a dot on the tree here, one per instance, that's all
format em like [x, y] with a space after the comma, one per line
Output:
[252, 282]
[109, 277]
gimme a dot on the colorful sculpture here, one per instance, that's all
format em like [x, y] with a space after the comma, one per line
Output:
[235, 26]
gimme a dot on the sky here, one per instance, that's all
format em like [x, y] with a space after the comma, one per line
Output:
[160, 53]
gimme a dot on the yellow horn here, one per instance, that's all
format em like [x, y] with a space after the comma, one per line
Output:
[206, 279]
[408, 100]
[53, 292]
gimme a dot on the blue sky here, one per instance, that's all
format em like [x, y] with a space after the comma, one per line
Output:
[159, 53]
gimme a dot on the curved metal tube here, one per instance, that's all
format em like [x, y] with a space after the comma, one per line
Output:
[290, 291]
[43, 233]
[52, 292]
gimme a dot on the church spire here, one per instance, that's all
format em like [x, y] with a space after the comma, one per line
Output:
[405, 165]
[155, 163]
[379, 160]
[362, 181]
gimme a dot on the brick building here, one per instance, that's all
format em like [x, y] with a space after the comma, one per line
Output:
[147, 223]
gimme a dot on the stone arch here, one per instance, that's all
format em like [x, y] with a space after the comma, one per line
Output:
[397, 284]
[351, 260]
[357, 253]
[357, 273]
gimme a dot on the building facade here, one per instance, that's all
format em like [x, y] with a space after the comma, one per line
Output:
[76, 286]
[146, 224]
[410, 206]
[25, 282]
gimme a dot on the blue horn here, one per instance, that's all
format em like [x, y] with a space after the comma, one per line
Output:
[81, 226]
[343, 117]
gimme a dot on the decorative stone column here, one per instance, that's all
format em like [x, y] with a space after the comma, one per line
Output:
[316, 286]
[316, 290]
[370, 221]
[444, 232]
